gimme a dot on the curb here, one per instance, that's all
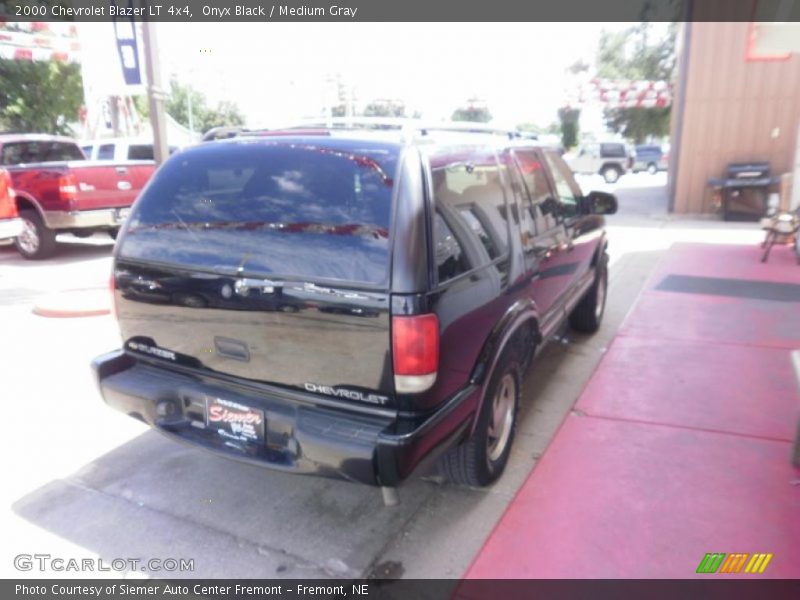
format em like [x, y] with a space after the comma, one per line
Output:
[74, 303]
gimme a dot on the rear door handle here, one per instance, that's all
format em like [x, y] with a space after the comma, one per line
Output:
[122, 170]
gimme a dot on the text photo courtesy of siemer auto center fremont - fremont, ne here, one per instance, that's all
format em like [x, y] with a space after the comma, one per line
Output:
[400, 299]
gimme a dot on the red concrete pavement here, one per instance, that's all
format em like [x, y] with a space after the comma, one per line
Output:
[680, 443]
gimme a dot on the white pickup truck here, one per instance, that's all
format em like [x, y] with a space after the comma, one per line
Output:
[120, 149]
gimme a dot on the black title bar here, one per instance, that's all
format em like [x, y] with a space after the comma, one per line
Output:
[400, 10]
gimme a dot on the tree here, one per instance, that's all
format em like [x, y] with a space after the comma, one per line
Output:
[569, 118]
[630, 55]
[343, 98]
[226, 113]
[553, 128]
[385, 108]
[40, 96]
[475, 111]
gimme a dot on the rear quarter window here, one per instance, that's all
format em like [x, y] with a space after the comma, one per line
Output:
[468, 191]
[294, 209]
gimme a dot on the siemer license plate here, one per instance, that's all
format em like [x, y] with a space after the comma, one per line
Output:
[234, 421]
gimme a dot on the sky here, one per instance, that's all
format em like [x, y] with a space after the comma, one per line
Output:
[279, 73]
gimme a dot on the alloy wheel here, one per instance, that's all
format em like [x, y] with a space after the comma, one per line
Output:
[28, 238]
[502, 417]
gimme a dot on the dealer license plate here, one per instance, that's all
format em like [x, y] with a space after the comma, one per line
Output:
[234, 421]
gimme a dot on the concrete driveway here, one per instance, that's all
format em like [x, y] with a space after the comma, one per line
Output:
[85, 481]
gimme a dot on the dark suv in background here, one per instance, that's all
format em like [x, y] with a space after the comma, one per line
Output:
[351, 303]
[651, 158]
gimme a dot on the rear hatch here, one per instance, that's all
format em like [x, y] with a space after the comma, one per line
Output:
[266, 260]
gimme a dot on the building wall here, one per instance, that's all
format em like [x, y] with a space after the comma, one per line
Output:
[735, 110]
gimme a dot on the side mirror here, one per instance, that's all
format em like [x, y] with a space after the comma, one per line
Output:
[550, 206]
[600, 203]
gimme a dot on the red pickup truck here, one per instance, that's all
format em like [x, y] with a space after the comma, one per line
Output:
[56, 190]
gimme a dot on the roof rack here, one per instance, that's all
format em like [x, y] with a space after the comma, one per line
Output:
[409, 127]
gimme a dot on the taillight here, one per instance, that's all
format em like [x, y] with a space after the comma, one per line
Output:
[67, 188]
[8, 207]
[415, 352]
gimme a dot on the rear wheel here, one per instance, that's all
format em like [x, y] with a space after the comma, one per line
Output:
[36, 241]
[588, 315]
[652, 168]
[482, 458]
[611, 174]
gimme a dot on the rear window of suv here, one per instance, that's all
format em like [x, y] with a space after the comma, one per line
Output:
[298, 209]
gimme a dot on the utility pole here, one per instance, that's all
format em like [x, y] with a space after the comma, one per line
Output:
[191, 117]
[155, 94]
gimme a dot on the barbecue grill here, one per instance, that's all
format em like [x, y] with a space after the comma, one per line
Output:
[744, 190]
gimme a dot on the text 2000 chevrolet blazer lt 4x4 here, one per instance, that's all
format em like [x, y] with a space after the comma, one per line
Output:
[347, 303]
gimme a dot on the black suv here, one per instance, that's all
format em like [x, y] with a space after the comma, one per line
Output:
[351, 303]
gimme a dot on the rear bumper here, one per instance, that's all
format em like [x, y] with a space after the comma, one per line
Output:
[301, 435]
[10, 228]
[106, 218]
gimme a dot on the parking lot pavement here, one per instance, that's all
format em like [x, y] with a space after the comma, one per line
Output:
[82, 480]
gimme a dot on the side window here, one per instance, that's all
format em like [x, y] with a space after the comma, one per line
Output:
[450, 258]
[12, 154]
[566, 188]
[521, 207]
[58, 151]
[21, 152]
[472, 218]
[105, 152]
[612, 150]
[140, 152]
[469, 193]
[535, 179]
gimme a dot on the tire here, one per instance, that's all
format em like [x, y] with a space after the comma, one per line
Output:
[482, 458]
[652, 168]
[611, 174]
[36, 241]
[588, 315]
